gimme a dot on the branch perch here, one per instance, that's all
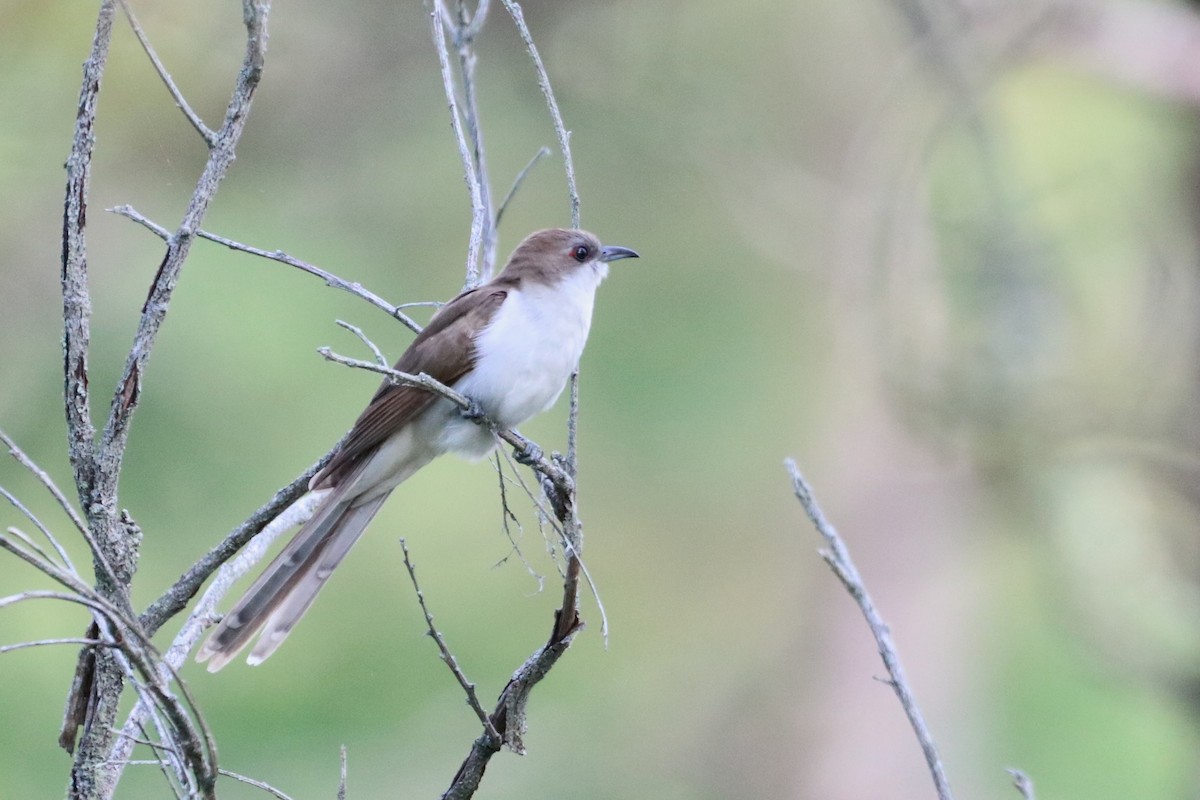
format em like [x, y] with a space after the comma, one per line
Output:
[837, 556]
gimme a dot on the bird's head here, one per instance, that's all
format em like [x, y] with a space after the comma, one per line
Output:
[555, 254]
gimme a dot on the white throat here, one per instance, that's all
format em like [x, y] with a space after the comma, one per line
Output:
[525, 356]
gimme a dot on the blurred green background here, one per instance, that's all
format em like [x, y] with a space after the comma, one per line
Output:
[944, 254]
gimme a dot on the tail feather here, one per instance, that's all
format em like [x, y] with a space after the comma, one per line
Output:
[287, 583]
[308, 581]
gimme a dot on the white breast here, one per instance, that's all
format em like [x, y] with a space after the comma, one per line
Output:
[525, 356]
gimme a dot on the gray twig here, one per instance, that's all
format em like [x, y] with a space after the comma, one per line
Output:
[111, 450]
[77, 304]
[75, 640]
[479, 213]
[50, 537]
[357, 331]
[1023, 783]
[341, 794]
[517, 181]
[444, 651]
[566, 506]
[837, 556]
[206, 133]
[203, 613]
[564, 136]
[45, 479]
[97, 465]
[133, 652]
[507, 515]
[465, 31]
[266, 787]
[330, 279]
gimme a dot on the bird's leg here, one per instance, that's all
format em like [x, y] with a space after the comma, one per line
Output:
[473, 412]
[528, 455]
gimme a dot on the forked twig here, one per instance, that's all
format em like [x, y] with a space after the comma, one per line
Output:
[206, 133]
[479, 212]
[330, 279]
[837, 556]
[444, 651]
[1023, 783]
[560, 130]
[517, 181]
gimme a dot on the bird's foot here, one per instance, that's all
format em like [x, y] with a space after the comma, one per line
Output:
[528, 455]
[473, 412]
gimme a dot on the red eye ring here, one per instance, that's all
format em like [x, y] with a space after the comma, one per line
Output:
[581, 253]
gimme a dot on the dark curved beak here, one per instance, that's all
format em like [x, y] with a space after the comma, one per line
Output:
[616, 253]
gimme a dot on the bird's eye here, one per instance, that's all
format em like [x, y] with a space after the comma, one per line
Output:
[581, 253]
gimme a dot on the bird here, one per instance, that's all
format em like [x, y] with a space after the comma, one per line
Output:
[508, 345]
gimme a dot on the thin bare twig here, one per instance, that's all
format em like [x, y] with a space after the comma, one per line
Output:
[331, 280]
[837, 556]
[341, 794]
[111, 450]
[1023, 783]
[168, 763]
[566, 504]
[45, 479]
[517, 181]
[54, 543]
[133, 651]
[534, 499]
[357, 331]
[75, 640]
[560, 130]
[266, 787]
[465, 30]
[479, 214]
[506, 514]
[206, 133]
[444, 651]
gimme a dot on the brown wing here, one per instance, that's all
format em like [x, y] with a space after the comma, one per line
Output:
[443, 350]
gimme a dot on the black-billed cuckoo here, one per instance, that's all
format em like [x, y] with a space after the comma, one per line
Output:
[509, 345]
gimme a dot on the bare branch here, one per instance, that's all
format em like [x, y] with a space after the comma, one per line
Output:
[97, 466]
[1023, 783]
[266, 787]
[564, 136]
[517, 181]
[75, 640]
[465, 31]
[479, 214]
[444, 651]
[205, 132]
[133, 651]
[506, 514]
[357, 331]
[45, 479]
[111, 450]
[58, 548]
[331, 280]
[838, 559]
[77, 304]
[341, 794]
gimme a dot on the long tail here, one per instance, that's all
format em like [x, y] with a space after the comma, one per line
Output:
[289, 585]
